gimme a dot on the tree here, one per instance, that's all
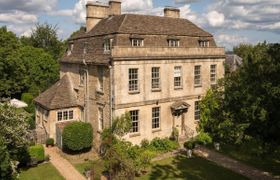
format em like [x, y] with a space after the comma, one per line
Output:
[5, 162]
[45, 36]
[250, 99]
[11, 72]
[15, 133]
[41, 70]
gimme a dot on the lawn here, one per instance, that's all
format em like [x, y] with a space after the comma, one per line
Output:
[97, 165]
[249, 153]
[181, 167]
[44, 171]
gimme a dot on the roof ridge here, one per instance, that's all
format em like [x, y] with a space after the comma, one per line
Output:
[124, 19]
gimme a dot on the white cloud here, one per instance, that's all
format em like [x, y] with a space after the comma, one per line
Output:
[215, 18]
[186, 1]
[28, 5]
[18, 17]
[228, 41]
[249, 14]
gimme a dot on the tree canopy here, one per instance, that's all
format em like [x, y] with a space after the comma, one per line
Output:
[246, 104]
[24, 67]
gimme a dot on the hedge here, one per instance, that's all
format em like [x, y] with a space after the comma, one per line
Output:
[37, 152]
[77, 136]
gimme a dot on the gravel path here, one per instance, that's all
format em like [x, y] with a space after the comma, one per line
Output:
[64, 167]
[234, 165]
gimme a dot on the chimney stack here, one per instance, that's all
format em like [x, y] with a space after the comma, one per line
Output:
[97, 11]
[171, 12]
[115, 7]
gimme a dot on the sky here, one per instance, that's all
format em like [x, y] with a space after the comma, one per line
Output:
[230, 21]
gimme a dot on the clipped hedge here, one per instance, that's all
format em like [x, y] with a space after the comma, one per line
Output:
[77, 136]
[37, 152]
[50, 142]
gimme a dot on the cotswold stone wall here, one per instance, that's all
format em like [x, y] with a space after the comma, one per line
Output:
[146, 99]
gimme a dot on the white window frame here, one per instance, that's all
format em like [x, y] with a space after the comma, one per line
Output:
[156, 118]
[204, 44]
[137, 42]
[173, 43]
[65, 115]
[197, 75]
[135, 127]
[213, 73]
[196, 111]
[133, 80]
[107, 45]
[178, 77]
[155, 78]
[100, 78]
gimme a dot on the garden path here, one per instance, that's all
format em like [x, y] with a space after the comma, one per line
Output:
[234, 165]
[64, 167]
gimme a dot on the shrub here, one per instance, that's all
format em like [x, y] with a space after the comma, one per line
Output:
[189, 144]
[50, 142]
[37, 152]
[77, 136]
[203, 138]
[163, 145]
[145, 143]
[5, 164]
[27, 98]
[174, 134]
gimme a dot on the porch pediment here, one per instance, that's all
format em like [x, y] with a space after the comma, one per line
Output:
[179, 105]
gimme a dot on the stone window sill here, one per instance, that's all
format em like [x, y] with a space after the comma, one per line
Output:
[156, 90]
[198, 86]
[134, 134]
[178, 88]
[156, 130]
[134, 92]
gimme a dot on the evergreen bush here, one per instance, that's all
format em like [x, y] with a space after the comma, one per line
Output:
[77, 136]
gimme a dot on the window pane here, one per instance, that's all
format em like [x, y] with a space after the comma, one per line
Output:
[155, 78]
[71, 116]
[197, 76]
[59, 116]
[213, 74]
[134, 120]
[133, 79]
[177, 76]
[155, 117]
[196, 111]
[65, 115]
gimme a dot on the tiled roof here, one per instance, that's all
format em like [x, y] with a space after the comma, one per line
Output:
[60, 95]
[147, 25]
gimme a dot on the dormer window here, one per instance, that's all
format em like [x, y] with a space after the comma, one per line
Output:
[107, 45]
[204, 43]
[70, 48]
[137, 42]
[173, 43]
[85, 47]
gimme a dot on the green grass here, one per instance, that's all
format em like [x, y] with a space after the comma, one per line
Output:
[42, 172]
[181, 167]
[250, 154]
[97, 165]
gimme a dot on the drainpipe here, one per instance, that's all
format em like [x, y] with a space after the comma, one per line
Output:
[86, 89]
[111, 91]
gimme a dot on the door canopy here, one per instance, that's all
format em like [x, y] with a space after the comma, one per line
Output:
[179, 107]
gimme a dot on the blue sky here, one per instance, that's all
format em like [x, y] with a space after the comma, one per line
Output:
[231, 21]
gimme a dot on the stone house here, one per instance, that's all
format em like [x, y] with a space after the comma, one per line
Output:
[156, 68]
